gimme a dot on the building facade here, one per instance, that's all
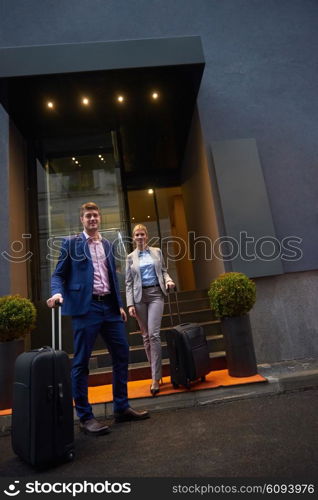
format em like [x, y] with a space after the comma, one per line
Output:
[221, 164]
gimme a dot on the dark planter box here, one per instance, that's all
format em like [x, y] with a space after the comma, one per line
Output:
[239, 347]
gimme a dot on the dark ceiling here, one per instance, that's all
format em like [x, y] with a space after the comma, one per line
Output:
[153, 132]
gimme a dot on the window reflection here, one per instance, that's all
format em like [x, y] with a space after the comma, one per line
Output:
[63, 186]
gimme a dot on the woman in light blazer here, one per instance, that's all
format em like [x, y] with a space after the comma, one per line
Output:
[147, 282]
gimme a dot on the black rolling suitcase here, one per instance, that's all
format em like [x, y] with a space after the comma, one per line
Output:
[188, 351]
[42, 411]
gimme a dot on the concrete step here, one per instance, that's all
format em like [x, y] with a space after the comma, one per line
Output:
[141, 370]
[189, 295]
[185, 307]
[188, 305]
[209, 327]
[102, 358]
[182, 295]
[200, 316]
[41, 335]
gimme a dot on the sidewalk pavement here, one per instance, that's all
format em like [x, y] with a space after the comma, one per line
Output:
[281, 377]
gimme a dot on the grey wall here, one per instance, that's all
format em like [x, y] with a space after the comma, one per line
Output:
[4, 220]
[243, 204]
[284, 318]
[260, 79]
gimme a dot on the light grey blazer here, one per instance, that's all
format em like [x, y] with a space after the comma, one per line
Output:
[133, 276]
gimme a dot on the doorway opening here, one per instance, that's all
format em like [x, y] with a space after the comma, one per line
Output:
[161, 210]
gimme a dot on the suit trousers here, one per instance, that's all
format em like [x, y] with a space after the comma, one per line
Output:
[149, 315]
[102, 318]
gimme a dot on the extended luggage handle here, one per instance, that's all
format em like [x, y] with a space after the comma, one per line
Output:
[177, 304]
[58, 304]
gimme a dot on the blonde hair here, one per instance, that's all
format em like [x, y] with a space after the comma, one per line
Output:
[140, 227]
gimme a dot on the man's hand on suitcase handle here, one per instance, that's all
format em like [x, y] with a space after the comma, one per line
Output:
[55, 300]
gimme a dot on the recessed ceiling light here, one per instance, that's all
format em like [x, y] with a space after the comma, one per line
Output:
[85, 101]
[73, 158]
[155, 95]
[148, 216]
[120, 98]
[50, 104]
[76, 162]
[150, 191]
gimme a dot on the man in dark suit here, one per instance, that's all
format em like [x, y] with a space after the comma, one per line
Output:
[85, 282]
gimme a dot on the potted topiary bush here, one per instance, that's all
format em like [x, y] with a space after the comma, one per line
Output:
[17, 319]
[232, 295]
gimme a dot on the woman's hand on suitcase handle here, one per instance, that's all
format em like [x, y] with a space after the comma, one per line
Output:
[55, 300]
[169, 285]
[132, 311]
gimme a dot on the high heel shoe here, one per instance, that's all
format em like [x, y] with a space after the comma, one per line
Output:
[154, 390]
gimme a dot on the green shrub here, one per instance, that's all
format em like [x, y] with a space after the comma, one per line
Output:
[17, 317]
[232, 294]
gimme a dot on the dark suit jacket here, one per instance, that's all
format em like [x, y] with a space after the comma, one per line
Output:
[74, 275]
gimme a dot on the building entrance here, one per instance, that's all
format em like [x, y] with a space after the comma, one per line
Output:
[161, 210]
[106, 125]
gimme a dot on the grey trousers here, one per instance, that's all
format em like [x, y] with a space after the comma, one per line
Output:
[149, 314]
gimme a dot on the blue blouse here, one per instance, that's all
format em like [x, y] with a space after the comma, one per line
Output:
[147, 269]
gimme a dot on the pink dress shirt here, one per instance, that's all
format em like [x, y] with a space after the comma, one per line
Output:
[101, 284]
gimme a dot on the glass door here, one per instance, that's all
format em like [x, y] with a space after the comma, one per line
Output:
[66, 182]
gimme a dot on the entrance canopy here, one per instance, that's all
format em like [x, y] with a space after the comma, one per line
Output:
[68, 96]
[98, 56]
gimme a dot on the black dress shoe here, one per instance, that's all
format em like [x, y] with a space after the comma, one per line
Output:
[130, 414]
[92, 426]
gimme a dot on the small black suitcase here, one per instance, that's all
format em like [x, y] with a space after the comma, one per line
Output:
[42, 411]
[188, 351]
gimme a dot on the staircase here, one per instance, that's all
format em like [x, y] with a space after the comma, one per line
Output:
[194, 308]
